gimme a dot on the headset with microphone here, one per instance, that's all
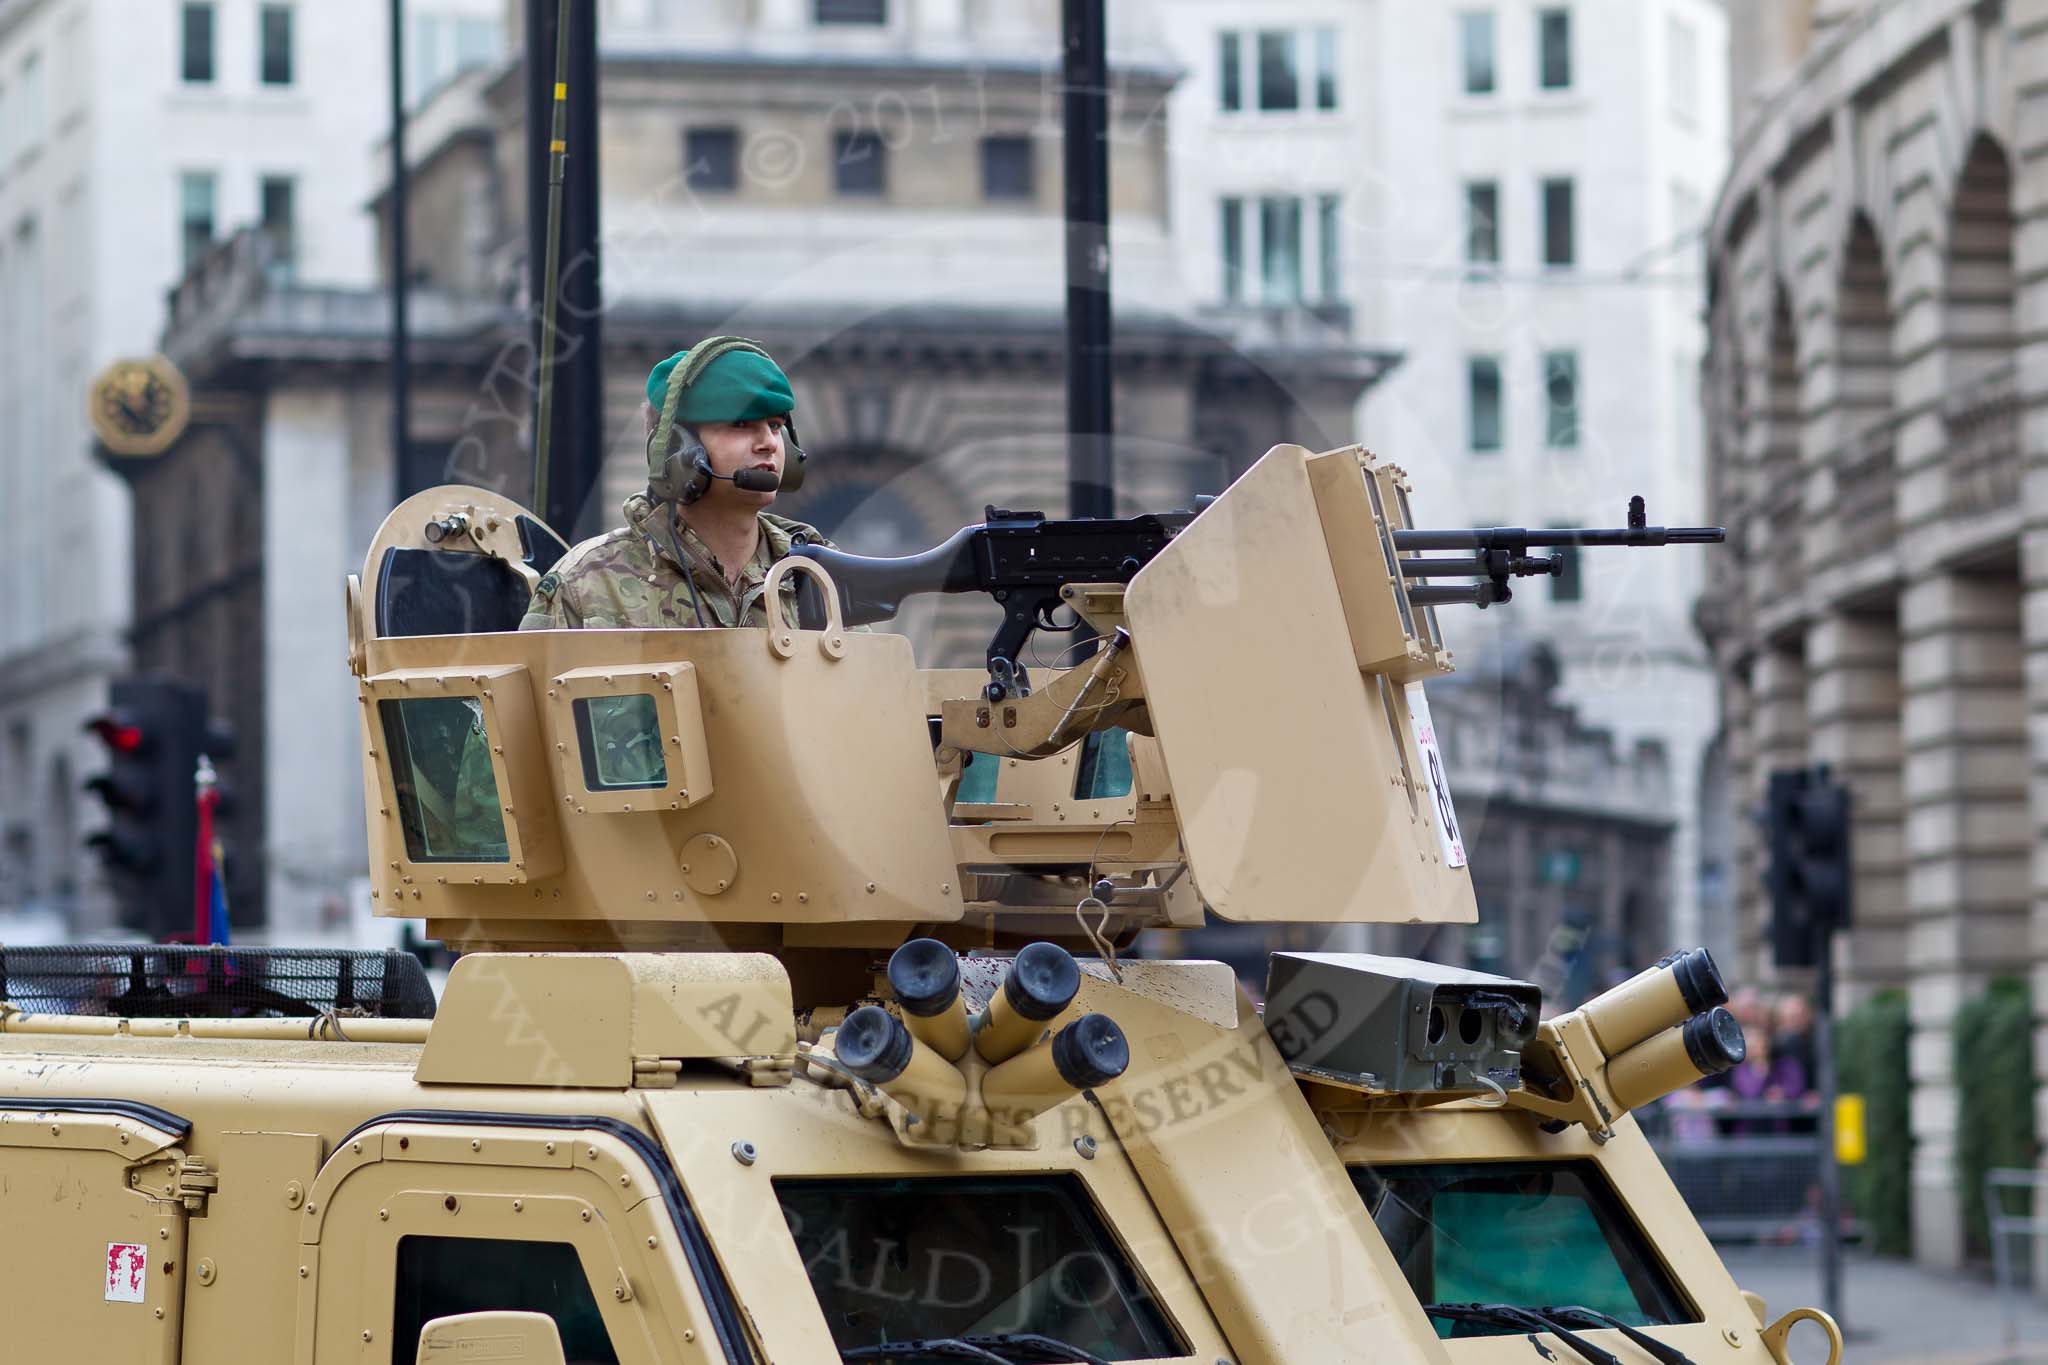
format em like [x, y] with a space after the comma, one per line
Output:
[679, 468]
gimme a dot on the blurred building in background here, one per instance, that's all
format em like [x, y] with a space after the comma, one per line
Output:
[1511, 194]
[132, 137]
[872, 190]
[1874, 405]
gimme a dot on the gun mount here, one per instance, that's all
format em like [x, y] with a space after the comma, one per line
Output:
[1031, 565]
[812, 792]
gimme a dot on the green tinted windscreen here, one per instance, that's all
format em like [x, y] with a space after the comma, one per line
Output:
[621, 742]
[440, 760]
[1535, 1234]
[977, 779]
[1105, 765]
[914, 1259]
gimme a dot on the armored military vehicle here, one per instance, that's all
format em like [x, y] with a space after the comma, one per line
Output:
[796, 1020]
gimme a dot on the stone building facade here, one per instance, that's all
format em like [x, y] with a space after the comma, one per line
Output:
[1875, 396]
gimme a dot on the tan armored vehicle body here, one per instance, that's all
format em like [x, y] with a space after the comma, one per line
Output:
[792, 1028]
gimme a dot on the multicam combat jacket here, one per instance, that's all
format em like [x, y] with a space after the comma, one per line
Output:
[629, 577]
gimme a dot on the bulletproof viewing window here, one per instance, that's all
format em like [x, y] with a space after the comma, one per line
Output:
[946, 1256]
[977, 779]
[639, 738]
[1536, 1234]
[448, 799]
[1105, 766]
[440, 1276]
[620, 738]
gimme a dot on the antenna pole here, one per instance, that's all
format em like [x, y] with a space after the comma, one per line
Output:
[558, 156]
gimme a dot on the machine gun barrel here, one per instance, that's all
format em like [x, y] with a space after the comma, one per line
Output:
[1519, 538]
[1481, 594]
[1485, 565]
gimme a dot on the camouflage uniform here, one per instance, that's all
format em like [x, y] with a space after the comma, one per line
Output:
[629, 577]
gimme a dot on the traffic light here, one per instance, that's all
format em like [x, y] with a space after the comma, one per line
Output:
[154, 732]
[1806, 821]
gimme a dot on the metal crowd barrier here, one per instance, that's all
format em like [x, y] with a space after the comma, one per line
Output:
[1750, 1171]
[2005, 1228]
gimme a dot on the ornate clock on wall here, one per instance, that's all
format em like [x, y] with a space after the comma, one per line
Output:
[139, 407]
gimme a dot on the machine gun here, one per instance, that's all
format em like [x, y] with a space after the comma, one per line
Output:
[1021, 559]
[1024, 559]
[1501, 553]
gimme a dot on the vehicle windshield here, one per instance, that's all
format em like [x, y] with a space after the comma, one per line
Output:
[1535, 1234]
[901, 1260]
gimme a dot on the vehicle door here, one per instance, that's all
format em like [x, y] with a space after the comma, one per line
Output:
[422, 1216]
[93, 1197]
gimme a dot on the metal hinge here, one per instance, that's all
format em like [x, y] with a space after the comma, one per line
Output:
[188, 1182]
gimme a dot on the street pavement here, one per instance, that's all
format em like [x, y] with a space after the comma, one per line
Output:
[1893, 1311]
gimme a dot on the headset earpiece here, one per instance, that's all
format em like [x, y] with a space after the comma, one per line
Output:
[683, 475]
[793, 457]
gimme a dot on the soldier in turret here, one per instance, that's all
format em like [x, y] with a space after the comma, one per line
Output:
[698, 543]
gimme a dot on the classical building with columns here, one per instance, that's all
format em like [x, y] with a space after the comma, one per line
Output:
[1874, 385]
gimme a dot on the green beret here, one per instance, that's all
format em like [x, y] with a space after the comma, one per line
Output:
[738, 386]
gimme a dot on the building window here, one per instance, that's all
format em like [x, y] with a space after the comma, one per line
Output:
[1554, 49]
[871, 12]
[278, 193]
[711, 159]
[1475, 39]
[1482, 402]
[1482, 223]
[1558, 245]
[858, 165]
[195, 55]
[1326, 68]
[1280, 250]
[1279, 72]
[1682, 68]
[1570, 585]
[1229, 57]
[444, 46]
[1687, 212]
[195, 214]
[1561, 399]
[29, 98]
[275, 26]
[1007, 168]
[1329, 246]
[1233, 250]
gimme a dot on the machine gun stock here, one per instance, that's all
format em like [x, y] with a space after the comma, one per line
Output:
[1021, 559]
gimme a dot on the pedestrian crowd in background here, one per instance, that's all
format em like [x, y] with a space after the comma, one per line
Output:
[1777, 1069]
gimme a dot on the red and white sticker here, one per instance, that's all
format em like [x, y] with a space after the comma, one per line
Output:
[127, 1272]
[1449, 837]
